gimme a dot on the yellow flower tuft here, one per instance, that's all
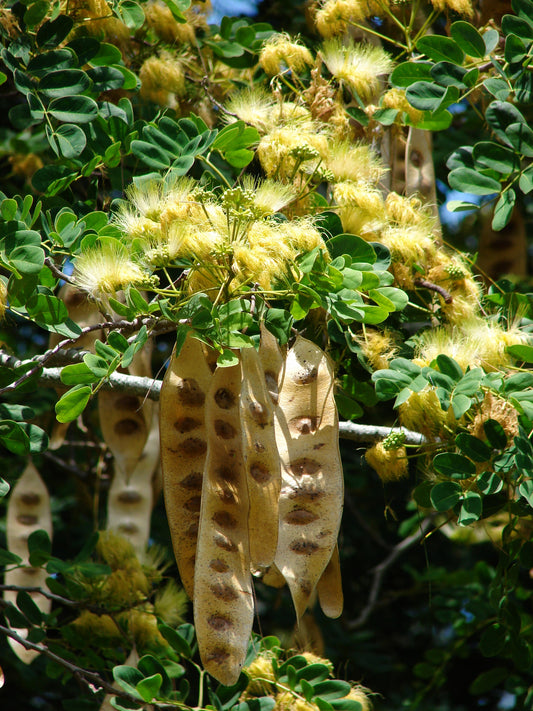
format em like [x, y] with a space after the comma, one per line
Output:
[270, 196]
[390, 464]
[396, 99]
[408, 212]
[353, 161]
[409, 245]
[360, 693]
[171, 603]
[311, 658]
[462, 7]
[422, 412]
[142, 626]
[362, 209]
[495, 408]
[357, 65]
[162, 76]
[378, 347]
[280, 52]
[261, 675]
[97, 627]
[160, 19]
[335, 16]
[105, 269]
[277, 151]
[253, 106]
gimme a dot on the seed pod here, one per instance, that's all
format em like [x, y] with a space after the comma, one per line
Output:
[272, 362]
[130, 500]
[329, 587]
[85, 313]
[273, 578]
[28, 511]
[261, 459]
[312, 485]
[223, 596]
[183, 450]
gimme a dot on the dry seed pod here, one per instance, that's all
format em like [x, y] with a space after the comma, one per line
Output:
[261, 458]
[85, 313]
[312, 485]
[183, 450]
[130, 500]
[329, 587]
[273, 578]
[223, 596]
[28, 511]
[272, 362]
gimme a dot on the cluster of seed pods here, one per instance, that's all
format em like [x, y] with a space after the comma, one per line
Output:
[253, 485]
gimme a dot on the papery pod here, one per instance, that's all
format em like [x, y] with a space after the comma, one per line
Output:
[183, 450]
[28, 510]
[85, 313]
[131, 499]
[223, 595]
[125, 419]
[311, 497]
[273, 577]
[272, 361]
[329, 587]
[261, 460]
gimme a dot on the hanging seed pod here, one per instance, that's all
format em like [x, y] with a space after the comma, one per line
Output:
[272, 362]
[28, 511]
[85, 313]
[261, 459]
[125, 419]
[183, 450]
[130, 500]
[312, 485]
[223, 596]
[329, 587]
[273, 578]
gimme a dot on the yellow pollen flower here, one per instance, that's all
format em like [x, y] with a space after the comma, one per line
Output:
[3, 298]
[462, 7]
[390, 464]
[353, 161]
[335, 16]
[105, 269]
[357, 65]
[251, 105]
[279, 51]
[396, 99]
[161, 74]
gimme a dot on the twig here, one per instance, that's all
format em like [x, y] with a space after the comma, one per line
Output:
[150, 388]
[380, 570]
[91, 679]
[57, 272]
[425, 284]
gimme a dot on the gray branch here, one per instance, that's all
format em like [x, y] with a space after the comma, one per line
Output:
[149, 388]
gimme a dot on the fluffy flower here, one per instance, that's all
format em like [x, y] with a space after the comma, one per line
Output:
[283, 149]
[270, 196]
[3, 298]
[462, 7]
[160, 19]
[251, 105]
[105, 269]
[279, 51]
[335, 16]
[162, 75]
[378, 347]
[390, 464]
[353, 161]
[396, 99]
[357, 65]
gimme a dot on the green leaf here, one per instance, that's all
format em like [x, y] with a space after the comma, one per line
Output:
[127, 678]
[178, 643]
[445, 495]
[438, 120]
[148, 688]
[498, 87]
[473, 447]
[397, 297]
[450, 367]
[439, 48]
[13, 437]
[8, 558]
[512, 25]
[515, 49]
[52, 32]
[78, 374]
[74, 109]
[408, 73]
[489, 483]
[151, 155]
[355, 247]
[492, 640]
[501, 114]
[68, 140]
[495, 433]
[521, 137]
[27, 259]
[4, 491]
[39, 548]
[107, 54]
[72, 403]
[471, 508]
[47, 310]
[453, 465]
[131, 14]
[105, 79]
[526, 490]
[503, 210]
[491, 38]
[27, 606]
[347, 705]
[468, 180]
[448, 74]
[468, 39]
[489, 154]
[64, 82]
[425, 95]
[227, 359]
[521, 352]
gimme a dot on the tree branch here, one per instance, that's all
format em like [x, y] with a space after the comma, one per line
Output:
[380, 570]
[150, 388]
[91, 679]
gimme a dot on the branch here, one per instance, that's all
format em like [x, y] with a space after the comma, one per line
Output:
[380, 570]
[150, 388]
[90, 678]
